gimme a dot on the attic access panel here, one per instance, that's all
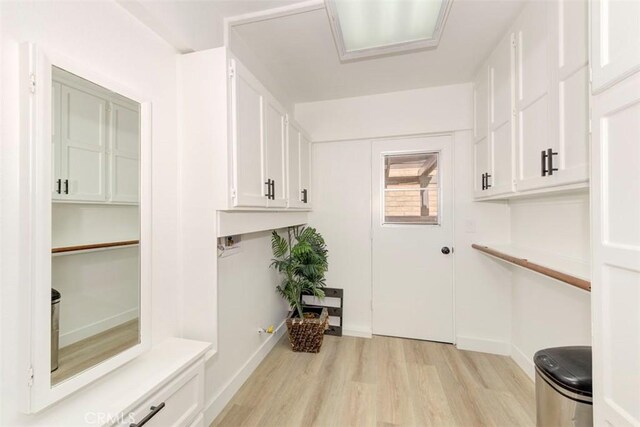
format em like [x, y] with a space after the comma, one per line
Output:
[369, 28]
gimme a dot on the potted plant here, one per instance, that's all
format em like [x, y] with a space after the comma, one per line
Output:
[302, 261]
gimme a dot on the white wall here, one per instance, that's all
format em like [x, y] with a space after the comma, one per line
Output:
[548, 313]
[105, 37]
[247, 302]
[343, 213]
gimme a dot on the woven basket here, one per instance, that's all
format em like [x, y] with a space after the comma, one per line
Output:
[305, 335]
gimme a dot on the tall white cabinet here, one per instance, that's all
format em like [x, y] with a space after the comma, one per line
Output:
[537, 103]
[615, 148]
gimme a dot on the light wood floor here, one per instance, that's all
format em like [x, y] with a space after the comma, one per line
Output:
[88, 352]
[382, 382]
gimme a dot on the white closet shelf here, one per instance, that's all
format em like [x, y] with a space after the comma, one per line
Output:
[92, 247]
[568, 270]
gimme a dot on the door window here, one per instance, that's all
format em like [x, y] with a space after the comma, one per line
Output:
[411, 189]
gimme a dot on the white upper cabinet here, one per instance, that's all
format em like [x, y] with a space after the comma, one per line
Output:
[239, 134]
[124, 152]
[305, 171]
[275, 119]
[537, 122]
[615, 41]
[83, 145]
[249, 170]
[95, 143]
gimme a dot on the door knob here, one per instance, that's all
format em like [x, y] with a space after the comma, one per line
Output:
[445, 250]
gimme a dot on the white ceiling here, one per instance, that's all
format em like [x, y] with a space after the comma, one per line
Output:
[299, 52]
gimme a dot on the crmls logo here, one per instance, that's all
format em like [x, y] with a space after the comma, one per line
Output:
[102, 418]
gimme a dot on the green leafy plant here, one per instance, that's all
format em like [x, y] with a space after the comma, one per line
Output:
[302, 260]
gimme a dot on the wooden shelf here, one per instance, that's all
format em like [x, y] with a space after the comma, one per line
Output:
[566, 270]
[94, 246]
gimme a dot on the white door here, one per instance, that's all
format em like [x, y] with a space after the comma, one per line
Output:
[615, 296]
[124, 152]
[615, 50]
[275, 145]
[247, 124]
[412, 202]
[83, 145]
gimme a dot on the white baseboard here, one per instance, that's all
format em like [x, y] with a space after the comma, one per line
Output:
[360, 333]
[525, 363]
[96, 327]
[214, 407]
[483, 345]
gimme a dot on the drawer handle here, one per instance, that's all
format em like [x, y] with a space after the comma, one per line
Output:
[154, 411]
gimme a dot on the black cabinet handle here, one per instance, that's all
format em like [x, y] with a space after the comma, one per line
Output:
[66, 186]
[154, 411]
[550, 168]
[486, 180]
[268, 184]
[483, 182]
[59, 186]
[304, 196]
[543, 163]
[273, 189]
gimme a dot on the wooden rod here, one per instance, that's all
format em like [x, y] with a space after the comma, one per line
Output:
[555, 274]
[94, 246]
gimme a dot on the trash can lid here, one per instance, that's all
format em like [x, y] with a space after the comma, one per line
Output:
[568, 367]
[55, 295]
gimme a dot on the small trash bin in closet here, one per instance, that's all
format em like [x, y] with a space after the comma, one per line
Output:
[55, 328]
[564, 393]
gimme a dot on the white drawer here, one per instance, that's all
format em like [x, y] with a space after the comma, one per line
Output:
[183, 401]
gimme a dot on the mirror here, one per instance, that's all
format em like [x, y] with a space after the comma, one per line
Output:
[95, 225]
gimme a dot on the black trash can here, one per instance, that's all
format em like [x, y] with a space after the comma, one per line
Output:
[55, 328]
[564, 391]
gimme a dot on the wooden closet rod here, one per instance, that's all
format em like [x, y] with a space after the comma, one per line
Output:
[555, 274]
[94, 246]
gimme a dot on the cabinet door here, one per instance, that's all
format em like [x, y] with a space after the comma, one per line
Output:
[615, 41]
[480, 131]
[305, 171]
[615, 292]
[569, 91]
[534, 121]
[124, 150]
[275, 145]
[293, 166]
[500, 68]
[83, 145]
[56, 177]
[247, 123]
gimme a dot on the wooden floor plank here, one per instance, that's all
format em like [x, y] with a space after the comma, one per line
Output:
[383, 381]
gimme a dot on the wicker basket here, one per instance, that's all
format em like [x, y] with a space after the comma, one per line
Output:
[306, 335]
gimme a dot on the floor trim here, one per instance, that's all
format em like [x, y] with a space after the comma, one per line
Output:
[360, 333]
[525, 363]
[483, 345]
[215, 406]
[97, 327]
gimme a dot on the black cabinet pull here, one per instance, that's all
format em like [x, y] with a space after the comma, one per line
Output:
[486, 181]
[66, 186]
[273, 189]
[482, 181]
[550, 168]
[59, 186]
[543, 163]
[268, 184]
[304, 196]
[154, 411]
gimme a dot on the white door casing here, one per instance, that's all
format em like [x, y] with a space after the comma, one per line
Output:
[412, 278]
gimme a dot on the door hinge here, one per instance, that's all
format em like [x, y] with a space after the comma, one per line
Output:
[590, 121]
[32, 83]
[30, 376]
[513, 39]
[232, 71]
[233, 193]
[108, 107]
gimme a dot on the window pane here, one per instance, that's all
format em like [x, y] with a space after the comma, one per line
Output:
[411, 190]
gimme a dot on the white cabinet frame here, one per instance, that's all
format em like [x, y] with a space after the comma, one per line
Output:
[35, 213]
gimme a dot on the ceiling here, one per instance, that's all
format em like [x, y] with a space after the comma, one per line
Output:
[299, 52]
